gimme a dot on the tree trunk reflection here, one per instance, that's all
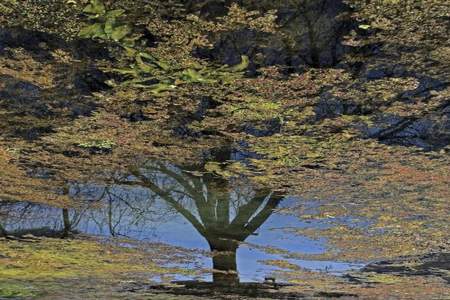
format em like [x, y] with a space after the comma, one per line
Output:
[222, 213]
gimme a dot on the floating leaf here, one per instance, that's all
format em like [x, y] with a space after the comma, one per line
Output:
[161, 87]
[242, 66]
[143, 66]
[129, 42]
[130, 52]
[150, 67]
[115, 13]
[147, 55]
[120, 32]
[192, 76]
[92, 31]
[109, 26]
[96, 7]
[126, 71]
[163, 65]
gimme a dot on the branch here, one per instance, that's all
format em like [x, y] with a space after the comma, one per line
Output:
[245, 212]
[264, 214]
[166, 196]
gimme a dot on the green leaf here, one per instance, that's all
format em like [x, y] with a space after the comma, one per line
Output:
[129, 51]
[115, 13]
[193, 76]
[109, 26]
[364, 26]
[126, 71]
[242, 66]
[155, 61]
[96, 7]
[161, 87]
[120, 32]
[129, 42]
[92, 31]
[147, 55]
[163, 65]
[143, 66]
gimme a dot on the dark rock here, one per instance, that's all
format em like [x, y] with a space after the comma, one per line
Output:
[428, 84]
[15, 89]
[91, 80]
[22, 96]
[41, 44]
[213, 9]
[329, 107]
[42, 173]
[70, 153]
[32, 133]
[375, 74]
[88, 49]
[30, 40]
[82, 109]
[420, 128]
[137, 117]
[421, 90]
[28, 88]
[400, 71]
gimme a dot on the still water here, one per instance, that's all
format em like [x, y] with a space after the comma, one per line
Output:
[233, 229]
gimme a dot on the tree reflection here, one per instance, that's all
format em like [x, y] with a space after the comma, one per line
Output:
[223, 213]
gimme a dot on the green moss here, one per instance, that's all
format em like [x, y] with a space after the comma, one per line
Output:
[15, 290]
[85, 266]
[255, 109]
[58, 259]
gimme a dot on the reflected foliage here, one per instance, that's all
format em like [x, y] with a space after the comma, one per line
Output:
[340, 102]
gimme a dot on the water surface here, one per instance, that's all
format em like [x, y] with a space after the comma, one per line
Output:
[234, 229]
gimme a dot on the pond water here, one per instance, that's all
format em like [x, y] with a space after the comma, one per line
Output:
[233, 229]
